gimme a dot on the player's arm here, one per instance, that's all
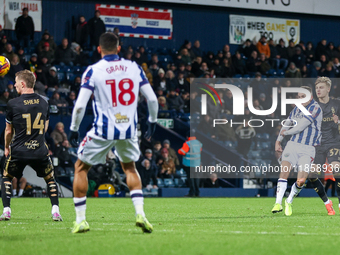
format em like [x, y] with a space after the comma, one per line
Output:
[79, 108]
[47, 122]
[8, 137]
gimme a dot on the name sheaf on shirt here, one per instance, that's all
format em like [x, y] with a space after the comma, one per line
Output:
[31, 101]
[121, 118]
[116, 68]
[32, 144]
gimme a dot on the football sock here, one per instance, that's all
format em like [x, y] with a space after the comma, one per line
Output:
[6, 191]
[7, 209]
[14, 192]
[327, 202]
[80, 206]
[138, 201]
[319, 188]
[52, 191]
[281, 189]
[21, 191]
[294, 192]
[55, 209]
[337, 187]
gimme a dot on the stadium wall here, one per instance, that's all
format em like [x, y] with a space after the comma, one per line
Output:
[208, 24]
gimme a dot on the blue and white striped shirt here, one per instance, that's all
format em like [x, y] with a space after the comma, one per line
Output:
[311, 135]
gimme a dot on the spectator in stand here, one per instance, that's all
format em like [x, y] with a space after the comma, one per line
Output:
[188, 71]
[2, 32]
[162, 106]
[137, 58]
[264, 66]
[12, 91]
[58, 135]
[226, 49]
[332, 52]
[154, 68]
[304, 71]
[227, 69]
[59, 102]
[299, 58]
[329, 71]
[310, 54]
[15, 67]
[187, 45]
[64, 55]
[181, 68]
[245, 135]
[148, 172]
[41, 75]
[154, 59]
[157, 146]
[171, 151]
[248, 48]
[159, 92]
[253, 64]
[239, 65]
[160, 81]
[184, 56]
[45, 66]
[46, 38]
[228, 102]
[263, 47]
[172, 97]
[212, 182]
[24, 29]
[52, 79]
[294, 72]
[82, 32]
[196, 49]
[170, 80]
[147, 73]
[81, 59]
[321, 49]
[266, 104]
[323, 60]
[196, 65]
[259, 86]
[209, 59]
[218, 70]
[336, 67]
[3, 43]
[182, 103]
[291, 49]
[47, 53]
[181, 83]
[203, 70]
[4, 98]
[8, 52]
[143, 54]
[22, 57]
[96, 27]
[315, 70]
[282, 53]
[219, 56]
[128, 55]
[167, 168]
[32, 64]
[76, 85]
[71, 100]
[277, 61]
[4, 82]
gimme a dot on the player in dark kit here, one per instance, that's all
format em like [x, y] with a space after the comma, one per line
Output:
[330, 141]
[27, 120]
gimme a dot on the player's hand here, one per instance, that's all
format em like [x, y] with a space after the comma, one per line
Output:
[335, 118]
[74, 138]
[150, 131]
[282, 132]
[278, 147]
[6, 152]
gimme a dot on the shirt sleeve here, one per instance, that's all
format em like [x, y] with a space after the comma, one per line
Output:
[315, 112]
[87, 81]
[9, 113]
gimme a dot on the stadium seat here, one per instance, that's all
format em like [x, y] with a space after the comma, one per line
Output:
[160, 183]
[61, 76]
[169, 183]
[254, 154]
[70, 77]
[265, 145]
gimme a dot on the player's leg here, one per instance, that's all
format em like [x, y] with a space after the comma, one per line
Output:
[282, 185]
[336, 172]
[22, 185]
[128, 152]
[14, 186]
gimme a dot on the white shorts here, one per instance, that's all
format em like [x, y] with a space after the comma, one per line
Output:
[299, 155]
[93, 151]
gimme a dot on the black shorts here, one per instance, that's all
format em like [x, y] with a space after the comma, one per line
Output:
[14, 167]
[330, 152]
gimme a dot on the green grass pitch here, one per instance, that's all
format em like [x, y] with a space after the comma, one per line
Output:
[181, 226]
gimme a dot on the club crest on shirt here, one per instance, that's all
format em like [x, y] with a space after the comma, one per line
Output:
[333, 110]
[121, 118]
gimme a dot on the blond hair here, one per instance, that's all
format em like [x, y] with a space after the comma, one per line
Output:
[323, 79]
[26, 76]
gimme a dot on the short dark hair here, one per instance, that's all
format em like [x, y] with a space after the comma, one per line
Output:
[108, 42]
[97, 11]
[25, 9]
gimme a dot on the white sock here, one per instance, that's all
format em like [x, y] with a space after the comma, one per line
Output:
[327, 202]
[80, 206]
[7, 209]
[138, 201]
[294, 192]
[14, 191]
[21, 191]
[281, 189]
[55, 209]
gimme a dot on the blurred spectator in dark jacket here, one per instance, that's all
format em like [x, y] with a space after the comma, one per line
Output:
[4, 98]
[64, 55]
[52, 78]
[81, 59]
[239, 65]
[196, 49]
[58, 135]
[253, 63]
[2, 32]
[47, 53]
[277, 61]
[336, 67]
[196, 65]
[82, 32]
[148, 172]
[15, 67]
[212, 182]
[294, 72]
[282, 50]
[184, 56]
[143, 54]
[323, 60]
[75, 86]
[59, 102]
[8, 52]
[71, 99]
[181, 83]
[218, 70]
[310, 54]
[321, 49]
[227, 69]
[299, 58]
[209, 59]
[315, 70]
[3, 42]
[160, 81]
[12, 91]
[32, 64]
[226, 49]
[4, 81]
[329, 71]
[245, 135]
[24, 29]
[170, 80]
[41, 75]
[137, 58]
[248, 48]
[190, 53]
[46, 38]
[332, 52]
[172, 98]
[291, 49]
[182, 103]
[162, 106]
[96, 27]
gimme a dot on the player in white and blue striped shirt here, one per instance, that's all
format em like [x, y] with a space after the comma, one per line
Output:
[299, 151]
